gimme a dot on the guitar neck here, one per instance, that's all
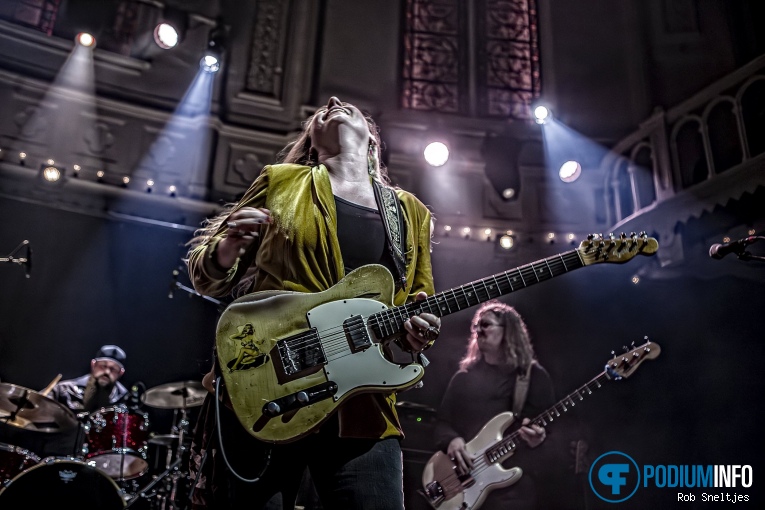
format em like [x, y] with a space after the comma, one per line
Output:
[390, 322]
[560, 408]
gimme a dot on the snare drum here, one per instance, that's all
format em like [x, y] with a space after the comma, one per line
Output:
[117, 442]
[57, 483]
[14, 460]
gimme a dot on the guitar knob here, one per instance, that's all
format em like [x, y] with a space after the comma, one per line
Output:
[272, 409]
[302, 397]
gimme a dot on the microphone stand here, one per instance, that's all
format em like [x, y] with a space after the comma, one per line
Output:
[746, 256]
[25, 261]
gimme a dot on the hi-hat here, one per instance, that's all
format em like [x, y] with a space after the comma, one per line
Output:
[175, 395]
[27, 409]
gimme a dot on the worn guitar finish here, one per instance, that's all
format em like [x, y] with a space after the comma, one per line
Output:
[445, 489]
[289, 359]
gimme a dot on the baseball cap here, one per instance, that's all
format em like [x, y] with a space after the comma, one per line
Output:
[112, 353]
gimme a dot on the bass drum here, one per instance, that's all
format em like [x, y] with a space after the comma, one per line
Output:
[57, 483]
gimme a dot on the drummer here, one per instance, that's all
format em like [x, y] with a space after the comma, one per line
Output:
[100, 388]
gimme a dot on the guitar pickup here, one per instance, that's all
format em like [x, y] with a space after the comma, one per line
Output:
[299, 399]
[356, 333]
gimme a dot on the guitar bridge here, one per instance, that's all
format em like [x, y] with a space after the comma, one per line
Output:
[433, 493]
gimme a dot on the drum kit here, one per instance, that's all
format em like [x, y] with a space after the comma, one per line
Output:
[116, 461]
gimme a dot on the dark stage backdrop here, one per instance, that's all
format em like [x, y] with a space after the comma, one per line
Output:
[104, 280]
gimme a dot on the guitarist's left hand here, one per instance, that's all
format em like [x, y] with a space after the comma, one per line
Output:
[533, 435]
[423, 329]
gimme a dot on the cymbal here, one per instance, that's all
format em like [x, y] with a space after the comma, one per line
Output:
[27, 409]
[175, 395]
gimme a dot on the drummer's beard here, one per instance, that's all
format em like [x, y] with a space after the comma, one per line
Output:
[96, 396]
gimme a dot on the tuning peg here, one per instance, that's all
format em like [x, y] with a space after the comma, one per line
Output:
[625, 348]
[613, 353]
[590, 237]
[611, 236]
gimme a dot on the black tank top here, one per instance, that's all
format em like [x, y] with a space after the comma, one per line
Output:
[361, 235]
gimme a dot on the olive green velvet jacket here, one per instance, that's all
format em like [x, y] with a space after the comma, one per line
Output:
[299, 251]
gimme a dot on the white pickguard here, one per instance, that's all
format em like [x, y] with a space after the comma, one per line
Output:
[354, 371]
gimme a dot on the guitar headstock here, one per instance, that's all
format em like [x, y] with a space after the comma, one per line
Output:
[623, 365]
[598, 248]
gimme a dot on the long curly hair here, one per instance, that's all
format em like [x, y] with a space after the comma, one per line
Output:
[517, 350]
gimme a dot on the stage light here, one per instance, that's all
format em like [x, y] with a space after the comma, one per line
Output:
[100, 176]
[76, 169]
[487, 233]
[506, 242]
[210, 64]
[51, 173]
[22, 158]
[125, 181]
[436, 154]
[542, 114]
[85, 39]
[466, 232]
[166, 36]
[508, 193]
[570, 171]
[172, 190]
[149, 185]
[551, 237]
[216, 46]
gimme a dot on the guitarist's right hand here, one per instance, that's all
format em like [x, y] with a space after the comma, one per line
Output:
[243, 227]
[459, 455]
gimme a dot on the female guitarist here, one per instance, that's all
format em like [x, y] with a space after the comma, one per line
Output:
[324, 210]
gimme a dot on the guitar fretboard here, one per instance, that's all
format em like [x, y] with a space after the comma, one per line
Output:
[510, 442]
[391, 321]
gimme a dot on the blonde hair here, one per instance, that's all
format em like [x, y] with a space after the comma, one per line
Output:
[517, 351]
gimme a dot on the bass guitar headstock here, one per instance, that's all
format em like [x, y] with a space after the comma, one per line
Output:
[598, 248]
[623, 365]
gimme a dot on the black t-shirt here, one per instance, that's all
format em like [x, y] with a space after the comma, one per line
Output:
[361, 235]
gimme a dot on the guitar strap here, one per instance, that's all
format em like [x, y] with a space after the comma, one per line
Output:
[393, 220]
[521, 389]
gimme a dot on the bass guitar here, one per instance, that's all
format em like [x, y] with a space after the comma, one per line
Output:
[446, 489]
[290, 359]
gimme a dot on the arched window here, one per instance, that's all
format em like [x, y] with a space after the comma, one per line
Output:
[689, 150]
[478, 58]
[753, 111]
[724, 139]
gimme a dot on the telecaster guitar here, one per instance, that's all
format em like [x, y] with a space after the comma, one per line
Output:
[290, 359]
[445, 489]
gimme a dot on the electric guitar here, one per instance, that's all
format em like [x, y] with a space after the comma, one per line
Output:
[290, 359]
[446, 489]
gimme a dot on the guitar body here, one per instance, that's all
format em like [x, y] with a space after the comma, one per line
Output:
[290, 359]
[470, 491]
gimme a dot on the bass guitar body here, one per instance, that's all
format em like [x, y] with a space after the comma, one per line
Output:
[463, 492]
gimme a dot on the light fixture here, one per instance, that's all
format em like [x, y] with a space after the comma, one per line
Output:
[85, 39]
[51, 173]
[542, 114]
[570, 171]
[466, 232]
[551, 237]
[76, 170]
[172, 190]
[166, 36]
[436, 153]
[216, 46]
[22, 158]
[506, 242]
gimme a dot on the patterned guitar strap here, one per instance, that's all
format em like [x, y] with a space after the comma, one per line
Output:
[393, 220]
[521, 389]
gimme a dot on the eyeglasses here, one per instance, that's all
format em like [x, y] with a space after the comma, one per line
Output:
[486, 325]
